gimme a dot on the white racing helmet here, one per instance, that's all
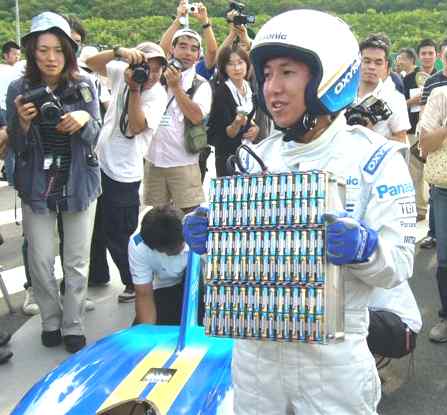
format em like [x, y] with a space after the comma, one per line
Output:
[322, 41]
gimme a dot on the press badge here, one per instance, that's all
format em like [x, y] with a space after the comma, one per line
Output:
[166, 120]
[47, 162]
[86, 94]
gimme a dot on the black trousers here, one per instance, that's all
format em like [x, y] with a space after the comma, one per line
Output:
[168, 303]
[115, 220]
[389, 336]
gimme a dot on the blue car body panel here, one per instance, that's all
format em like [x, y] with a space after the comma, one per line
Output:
[118, 369]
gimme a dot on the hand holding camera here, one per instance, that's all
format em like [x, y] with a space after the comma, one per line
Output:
[26, 111]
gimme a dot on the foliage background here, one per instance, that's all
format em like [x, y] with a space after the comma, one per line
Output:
[128, 22]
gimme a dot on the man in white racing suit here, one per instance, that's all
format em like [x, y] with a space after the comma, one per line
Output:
[306, 78]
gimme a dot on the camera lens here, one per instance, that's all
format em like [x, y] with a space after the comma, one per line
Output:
[140, 73]
[50, 113]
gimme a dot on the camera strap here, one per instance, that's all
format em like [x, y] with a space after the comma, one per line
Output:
[124, 119]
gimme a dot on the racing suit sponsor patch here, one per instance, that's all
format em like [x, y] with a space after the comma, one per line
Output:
[376, 159]
[385, 191]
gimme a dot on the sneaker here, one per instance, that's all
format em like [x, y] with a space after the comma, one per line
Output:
[51, 338]
[89, 304]
[128, 295]
[438, 333]
[30, 307]
[428, 242]
[74, 343]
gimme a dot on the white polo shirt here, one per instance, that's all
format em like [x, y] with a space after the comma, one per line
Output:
[167, 148]
[150, 266]
[121, 158]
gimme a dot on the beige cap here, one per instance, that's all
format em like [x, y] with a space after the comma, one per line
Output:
[152, 50]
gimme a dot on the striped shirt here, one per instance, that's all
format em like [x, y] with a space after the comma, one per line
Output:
[435, 81]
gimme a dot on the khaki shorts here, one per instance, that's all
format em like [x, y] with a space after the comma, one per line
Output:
[182, 185]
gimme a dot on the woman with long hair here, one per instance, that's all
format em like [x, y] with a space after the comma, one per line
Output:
[53, 125]
[231, 118]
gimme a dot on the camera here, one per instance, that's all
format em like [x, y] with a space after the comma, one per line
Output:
[371, 109]
[140, 73]
[49, 105]
[192, 8]
[240, 18]
[176, 64]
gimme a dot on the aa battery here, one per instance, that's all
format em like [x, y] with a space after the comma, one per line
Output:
[208, 296]
[264, 325]
[288, 269]
[245, 189]
[225, 189]
[211, 215]
[213, 325]
[274, 213]
[286, 327]
[232, 189]
[256, 298]
[238, 214]
[215, 268]
[272, 243]
[264, 298]
[275, 188]
[312, 250]
[216, 216]
[319, 270]
[251, 268]
[239, 188]
[235, 298]
[228, 298]
[289, 212]
[282, 213]
[302, 327]
[304, 185]
[295, 326]
[223, 243]
[272, 299]
[220, 322]
[321, 210]
[231, 214]
[227, 323]
[296, 268]
[282, 186]
[272, 323]
[319, 301]
[209, 268]
[310, 327]
[234, 324]
[318, 328]
[244, 268]
[265, 271]
[289, 186]
[267, 212]
[280, 299]
[311, 294]
[303, 300]
[273, 268]
[230, 243]
[242, 299]
[296, 244]
[241, 324]
[313, 185]
[312, 210]
[304, 211]
[244, 214]
[296, 300]
[287, 299]
[221, 297]
[222, 267]
[249, 323]
[260, 188]
[280, 270]
[207, 322]
[256, 325]
[321, 190]
[297, 186]
[253, 188]
[224, 214]
[297, 211]
[218, 192]
[279, 326]
[252, 213]
[267, 187]
[212, 190]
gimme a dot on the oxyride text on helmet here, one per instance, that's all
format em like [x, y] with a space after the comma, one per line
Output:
[323, 42]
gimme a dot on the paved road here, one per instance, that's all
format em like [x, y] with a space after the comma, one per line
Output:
[425, 392]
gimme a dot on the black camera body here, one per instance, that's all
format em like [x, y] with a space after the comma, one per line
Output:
[176, 64]
[241, 18]
[47, 103]
[371, 109]
[141, 72]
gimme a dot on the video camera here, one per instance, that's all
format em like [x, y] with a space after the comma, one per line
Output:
[371, 109]
[240, 18]
[176, 64]
[47, 103]
[141, 72]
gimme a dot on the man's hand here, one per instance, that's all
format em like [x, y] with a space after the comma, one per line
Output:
[182, 8]
[201, 14]
[73, 121]
[348, 241]
[132, 56]
[195, 230]
[133, 86]
[173, 77]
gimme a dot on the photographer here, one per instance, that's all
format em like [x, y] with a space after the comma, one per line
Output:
[375, 80]
[136, 107]
[231, 117]
[172, 172]
[53, 126]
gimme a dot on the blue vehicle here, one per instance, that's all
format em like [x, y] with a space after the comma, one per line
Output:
[143, 370]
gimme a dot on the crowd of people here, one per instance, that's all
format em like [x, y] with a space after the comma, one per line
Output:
[81, 129]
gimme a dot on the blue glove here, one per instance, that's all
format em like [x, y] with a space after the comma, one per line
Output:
[195, 230]
[348, 241]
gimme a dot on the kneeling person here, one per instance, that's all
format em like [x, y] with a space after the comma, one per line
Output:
[157, 258]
